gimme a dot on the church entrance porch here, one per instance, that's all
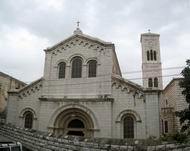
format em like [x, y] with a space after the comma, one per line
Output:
[75, 122]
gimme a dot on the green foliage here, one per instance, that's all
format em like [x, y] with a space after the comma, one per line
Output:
[165, 138]
[184, 115]
[178, 137]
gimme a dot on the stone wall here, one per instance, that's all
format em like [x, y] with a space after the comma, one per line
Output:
[40, 141]
[7, 83]
[175, 100]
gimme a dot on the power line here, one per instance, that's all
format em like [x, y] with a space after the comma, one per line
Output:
[139, 71]
[170, 75]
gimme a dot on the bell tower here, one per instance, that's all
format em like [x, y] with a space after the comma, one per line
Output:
[151, 61]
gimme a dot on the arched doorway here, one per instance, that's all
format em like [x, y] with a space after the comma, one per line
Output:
[73, 122]
[76, 127]
[128, 126]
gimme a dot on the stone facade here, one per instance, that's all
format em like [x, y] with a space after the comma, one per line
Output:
[151, 61]
[7, 83]
[106, 105]
[173, 100]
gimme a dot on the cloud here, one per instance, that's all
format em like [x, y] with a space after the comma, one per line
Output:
[22, 53]
[42, 23]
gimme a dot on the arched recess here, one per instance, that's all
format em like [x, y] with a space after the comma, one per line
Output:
[61, 60]
[28, 115]
[76, 67]
[130, 112]
[61, 70]
[21, 115]
[150, 83]
[156, 82]
[60, 119]
[128, 126]
[148, 55]
[92, 68]
[69, 60]
[28, 119]
[127, 122]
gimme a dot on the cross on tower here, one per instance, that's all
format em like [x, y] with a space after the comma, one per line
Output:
[78, 23]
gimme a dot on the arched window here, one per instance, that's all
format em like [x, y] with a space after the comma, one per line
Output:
[61, 68]
[92, 67]
[128, 127]
[148, 55]
[156, 82]
[150, 82]
[76, 67]
[151, 55]
[28, 119]
[155, 57]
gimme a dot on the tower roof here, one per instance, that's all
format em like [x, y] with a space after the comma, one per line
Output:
[149, 34]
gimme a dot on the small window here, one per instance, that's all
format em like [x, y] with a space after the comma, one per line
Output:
[92, 67]
[28, 119]
[155, 57]
[166, 126]
[148, 55]
[156, 82]
[76, 67]
[162, 126]
[150, 82]
[151, 55]
[61, 68]
[166, 102]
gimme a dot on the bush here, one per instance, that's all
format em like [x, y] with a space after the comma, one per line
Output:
[178, 137]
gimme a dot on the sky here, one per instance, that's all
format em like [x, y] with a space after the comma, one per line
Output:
[27, 27]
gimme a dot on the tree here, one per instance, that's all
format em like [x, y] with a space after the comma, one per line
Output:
[184, 115]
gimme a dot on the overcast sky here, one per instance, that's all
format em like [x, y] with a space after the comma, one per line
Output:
[29, 26]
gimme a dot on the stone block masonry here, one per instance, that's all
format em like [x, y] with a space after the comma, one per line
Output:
[42, 141]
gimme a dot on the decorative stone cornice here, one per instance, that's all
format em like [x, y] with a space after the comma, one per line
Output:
[127, 87]
[70, 41]
[86, 43]
[30, 89]
[76, 100]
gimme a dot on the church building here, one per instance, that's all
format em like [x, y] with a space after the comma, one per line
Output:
[82, 92]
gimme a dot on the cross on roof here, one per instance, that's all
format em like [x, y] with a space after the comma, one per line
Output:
[78, 23]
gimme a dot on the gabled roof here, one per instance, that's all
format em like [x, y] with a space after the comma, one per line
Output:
[30, 85]
[83, 36]
[78, 34]
[172, 81]
[10, 77]
[132, 84]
